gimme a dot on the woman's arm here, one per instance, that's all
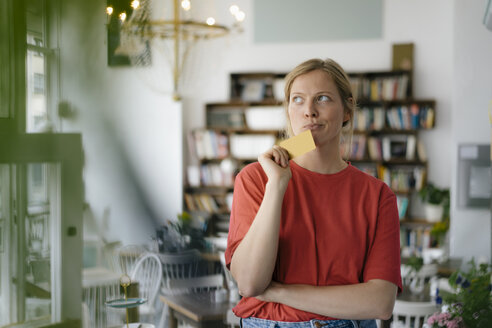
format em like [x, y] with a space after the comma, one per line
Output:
[369, 300]
[253, 261]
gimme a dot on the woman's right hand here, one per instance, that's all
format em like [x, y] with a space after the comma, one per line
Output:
[275, 163]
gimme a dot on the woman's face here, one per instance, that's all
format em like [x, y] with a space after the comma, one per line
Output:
[315, 104]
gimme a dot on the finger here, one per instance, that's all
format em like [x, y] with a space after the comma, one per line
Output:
[277, 157]
[284, 155]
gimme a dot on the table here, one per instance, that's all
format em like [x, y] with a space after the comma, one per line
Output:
[197, 309]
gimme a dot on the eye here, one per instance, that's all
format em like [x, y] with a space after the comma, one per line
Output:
[323, 98]
[296, 99]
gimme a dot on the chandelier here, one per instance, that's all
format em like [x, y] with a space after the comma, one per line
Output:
[142, 22]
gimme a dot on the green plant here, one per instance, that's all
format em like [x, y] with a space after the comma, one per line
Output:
[434, 195]
[415, 263]
[471, 299]
[439, 230]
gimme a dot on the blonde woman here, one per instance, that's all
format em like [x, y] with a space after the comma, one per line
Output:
[313, 241]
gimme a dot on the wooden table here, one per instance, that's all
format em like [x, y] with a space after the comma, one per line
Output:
[197, 309]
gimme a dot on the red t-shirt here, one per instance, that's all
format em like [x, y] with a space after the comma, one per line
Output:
[336, 229]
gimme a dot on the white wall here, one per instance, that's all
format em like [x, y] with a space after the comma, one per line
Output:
[471, 94]
[131, 134]
[452, 65]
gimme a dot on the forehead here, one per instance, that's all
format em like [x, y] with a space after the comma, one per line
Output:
[316, 80]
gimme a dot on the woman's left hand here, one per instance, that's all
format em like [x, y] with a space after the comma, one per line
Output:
[269, 294]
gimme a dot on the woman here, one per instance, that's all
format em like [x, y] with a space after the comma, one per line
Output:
[313, 240]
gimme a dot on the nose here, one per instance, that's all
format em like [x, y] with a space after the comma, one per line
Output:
[310, 110]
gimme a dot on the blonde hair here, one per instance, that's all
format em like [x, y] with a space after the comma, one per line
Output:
[342, 82]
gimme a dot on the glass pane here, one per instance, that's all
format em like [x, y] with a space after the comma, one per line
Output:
[27, 280]
[37, 115]
[5, 32]
[4, 258]
[35, 16]
[38, 244]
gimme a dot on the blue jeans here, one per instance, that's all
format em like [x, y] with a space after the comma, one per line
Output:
[263, 323]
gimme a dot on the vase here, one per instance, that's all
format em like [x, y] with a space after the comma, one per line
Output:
[417, 285]
[433, 213]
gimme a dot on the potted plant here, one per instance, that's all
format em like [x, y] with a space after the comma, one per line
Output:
[436, 202]
[469, 304]
[411, 275]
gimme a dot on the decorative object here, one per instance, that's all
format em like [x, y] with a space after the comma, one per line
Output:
[470, 305]
[415, 283]
[181, 234]
[169, 20]
[436, 202]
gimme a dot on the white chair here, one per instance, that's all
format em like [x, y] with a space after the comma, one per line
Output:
[411, 314]
[148, 273]
[231, 319]
[127, 256]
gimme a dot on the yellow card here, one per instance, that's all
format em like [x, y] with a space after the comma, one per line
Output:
[299, 144]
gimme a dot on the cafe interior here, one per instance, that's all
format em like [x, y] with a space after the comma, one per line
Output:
[116, 187]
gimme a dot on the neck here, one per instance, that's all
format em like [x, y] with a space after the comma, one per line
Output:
[322, 160]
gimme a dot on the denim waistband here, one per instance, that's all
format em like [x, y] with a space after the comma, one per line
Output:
[264, 323]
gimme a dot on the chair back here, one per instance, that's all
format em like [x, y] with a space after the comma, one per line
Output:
[183, 273]
[411, 314]
[148, 273]
[127, 257]
[231, 283]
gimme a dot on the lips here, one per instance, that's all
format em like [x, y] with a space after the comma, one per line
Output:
[312, 126]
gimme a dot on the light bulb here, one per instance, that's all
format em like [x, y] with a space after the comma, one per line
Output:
[233, 9]
[240, 15]
[109, 10]
[210, 21]
[135, 4]
[186, 5]
[122, 16]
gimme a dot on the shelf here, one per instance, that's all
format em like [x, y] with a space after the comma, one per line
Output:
[208, 188]
[387, 124]
[416, 222]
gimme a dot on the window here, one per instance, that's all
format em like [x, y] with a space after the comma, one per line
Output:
[40, 177]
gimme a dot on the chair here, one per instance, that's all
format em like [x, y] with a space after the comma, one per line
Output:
[182, 265]
[148, 273]
[127, 257]
[231, 319]
[184, 273]
[414, 314]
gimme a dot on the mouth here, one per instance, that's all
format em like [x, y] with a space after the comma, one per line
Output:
[313, 126]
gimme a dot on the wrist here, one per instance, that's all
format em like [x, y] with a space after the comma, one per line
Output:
[277, 185]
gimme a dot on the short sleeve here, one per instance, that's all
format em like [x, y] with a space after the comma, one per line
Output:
[249, 188]
[383, 258]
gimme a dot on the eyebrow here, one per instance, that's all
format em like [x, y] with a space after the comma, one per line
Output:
[317, 93]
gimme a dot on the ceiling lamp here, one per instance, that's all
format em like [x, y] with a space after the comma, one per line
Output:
[181, 22]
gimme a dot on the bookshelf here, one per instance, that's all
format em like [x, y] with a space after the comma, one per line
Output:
[385, 141]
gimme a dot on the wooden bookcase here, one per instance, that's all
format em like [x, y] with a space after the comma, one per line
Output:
[385, 140]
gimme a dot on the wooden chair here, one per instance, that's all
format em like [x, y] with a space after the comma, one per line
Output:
[411, 314]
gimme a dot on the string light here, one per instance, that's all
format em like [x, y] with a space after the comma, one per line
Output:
[109, 10]
[210, 21]
[122, 16]
[135, 4]
[186, 5]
